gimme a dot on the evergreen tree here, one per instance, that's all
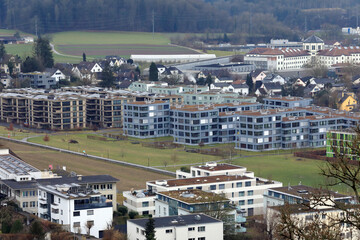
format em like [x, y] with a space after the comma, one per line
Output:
[2, 50]
[150, 229]
[108, 79]
[226, 38]
[11, 67]
[153, 72]
[37, 230]
[31, 64]
[250, 83]
[43, 51]
[209, 80]
[84, 57]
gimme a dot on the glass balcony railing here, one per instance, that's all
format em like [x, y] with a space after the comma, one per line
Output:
[92, 205]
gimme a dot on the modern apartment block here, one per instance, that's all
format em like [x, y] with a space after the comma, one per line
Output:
[214, 97]
[39, 79]
[341, 141]
[184, 202]
[286, 102]
[284, 128]
[186, 227]
[147, 119]
[299, 194]
[77, 208]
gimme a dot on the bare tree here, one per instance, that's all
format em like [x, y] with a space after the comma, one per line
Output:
[88, 226]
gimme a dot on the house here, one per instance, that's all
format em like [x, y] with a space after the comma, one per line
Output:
[302, 81]
[4, 63]
[223, 80]
[115, 61]
[274, 78]
[170, 72]
[224, 87]
[270, 89]
[321, 82]
[56, 74]
[124, 84]
[257, 75]
[347, 102]
[5, 79]
[193, 226]
[242, 89]
[39, 79]
[311, 89]
[87, 70]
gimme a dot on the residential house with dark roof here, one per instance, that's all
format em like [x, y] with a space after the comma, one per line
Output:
[270, 89]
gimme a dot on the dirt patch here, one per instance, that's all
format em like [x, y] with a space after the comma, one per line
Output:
[42, 158]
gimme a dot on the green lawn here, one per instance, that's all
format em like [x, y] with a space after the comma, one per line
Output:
[108, 37]
[22, 50]
[125, 150]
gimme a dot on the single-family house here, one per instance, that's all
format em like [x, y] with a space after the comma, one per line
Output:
[274, 78]
[347, 101]
[56, 73]
[270, 89]
[257, 75]
[321, 82]
[224, 87]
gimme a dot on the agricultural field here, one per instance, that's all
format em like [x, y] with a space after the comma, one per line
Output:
[41, 158]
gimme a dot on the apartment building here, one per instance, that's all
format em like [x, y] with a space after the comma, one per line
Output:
[286, 102]
[39, 79]
[140, 201]
[147, 119]
[214, 97]
[289, 128]
[303, 216]
[77, 208]
[299, 194]
[186, 227]
[339, 55]
[341, 141]
[184, 202]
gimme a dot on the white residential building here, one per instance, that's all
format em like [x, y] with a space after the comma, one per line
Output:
[78, 208]
[140, 201]
[187, 227]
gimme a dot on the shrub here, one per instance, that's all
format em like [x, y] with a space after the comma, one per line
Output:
[122, 210]
[133, 214]
[16, 227]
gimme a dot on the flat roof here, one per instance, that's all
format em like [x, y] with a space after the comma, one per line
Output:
[146, 102]
[14, 165]
[287, 98]
[220, 167]
[201, 180]
[194, 196]
[174, 221]
[78, 180]
[306, 192]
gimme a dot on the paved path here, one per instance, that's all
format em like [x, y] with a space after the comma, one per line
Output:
[61, 54]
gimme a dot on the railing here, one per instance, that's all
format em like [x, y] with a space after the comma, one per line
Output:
[92, 205]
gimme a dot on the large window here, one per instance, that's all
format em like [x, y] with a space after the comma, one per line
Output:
[201, 229]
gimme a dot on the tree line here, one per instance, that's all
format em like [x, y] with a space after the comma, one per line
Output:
[279, 18]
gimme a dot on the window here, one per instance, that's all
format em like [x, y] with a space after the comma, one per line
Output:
[76, 214]
[137, 230]
[109, 186]
[168, 230]
[201, 238]
[32, 204]
[191, 229]
[145, 204]
[191, 239]
[25, 204]
[76, 224]
[221, 186]
[250, 201]
[212, 187]
[248, 184]
[201, 229]
[239, 184]
[90, 212]
[241, 194]
[250, 193]
[242, 202]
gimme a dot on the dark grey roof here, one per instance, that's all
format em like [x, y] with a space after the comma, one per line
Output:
[313, 39]
[240, 85]
[125, 84]
[220, 84]
[256, 72]
[323, 80]
[82, 180]
[271, 85]
[19, 185]
[182, 220]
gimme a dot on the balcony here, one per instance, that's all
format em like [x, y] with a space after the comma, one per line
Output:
[92, 205]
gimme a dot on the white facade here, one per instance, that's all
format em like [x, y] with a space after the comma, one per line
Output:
[142, 203]
[57, 205]
[172, 58]
[178, 229]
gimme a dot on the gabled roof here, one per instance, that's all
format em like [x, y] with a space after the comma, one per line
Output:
[256, 73]
[313, 39]
[125, 84]
[323, 80]
[272, 86]
[340, 51]
[344, 98]
[221, 84]
[239, 86]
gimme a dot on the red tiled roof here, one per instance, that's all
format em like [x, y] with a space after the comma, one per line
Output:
[339, 51]
[287, 52]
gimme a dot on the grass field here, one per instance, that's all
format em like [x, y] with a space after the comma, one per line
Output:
[41, 158]
[125, 150]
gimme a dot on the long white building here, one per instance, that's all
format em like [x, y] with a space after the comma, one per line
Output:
[187, 227]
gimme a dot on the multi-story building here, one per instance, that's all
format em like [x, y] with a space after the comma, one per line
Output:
[214, 97]
[289, 128]
[147, 119]
[341, 142]
[78, 208]
[39, 79]
[184, 202]
[303, 216]
[286, 102]
[186, 227]
[140, 201]
[299, 194]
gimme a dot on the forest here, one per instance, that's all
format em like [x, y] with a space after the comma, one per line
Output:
[263, 18]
